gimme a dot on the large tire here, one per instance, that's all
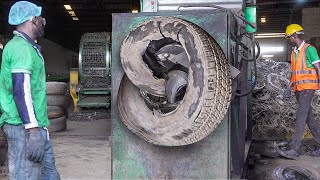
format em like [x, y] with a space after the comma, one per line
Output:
[55, 112]
[58, 124]
[58, 100]
[208, 93]
[56, 88]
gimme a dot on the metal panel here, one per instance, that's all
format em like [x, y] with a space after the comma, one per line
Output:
[169, 5]
[94, 101]
[135, 158]
[94, 60]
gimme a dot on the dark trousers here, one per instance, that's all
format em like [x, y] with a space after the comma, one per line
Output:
[305, 115]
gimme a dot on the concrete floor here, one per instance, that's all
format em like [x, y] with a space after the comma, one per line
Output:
[83, 150]
[264, 169]
[267, 161]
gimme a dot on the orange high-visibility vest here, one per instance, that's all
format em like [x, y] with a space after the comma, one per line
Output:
[303, 77]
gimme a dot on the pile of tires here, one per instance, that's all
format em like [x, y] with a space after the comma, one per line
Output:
[58, 101]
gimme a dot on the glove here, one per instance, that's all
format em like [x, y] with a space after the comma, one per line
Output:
[35, 146]
[286, 93]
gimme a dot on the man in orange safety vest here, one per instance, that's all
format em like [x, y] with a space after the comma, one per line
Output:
[305, 80]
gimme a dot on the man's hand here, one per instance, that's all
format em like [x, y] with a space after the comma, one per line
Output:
[35, 146]
[286, 93]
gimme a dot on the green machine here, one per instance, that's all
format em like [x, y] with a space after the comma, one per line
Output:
[94, 70]
[180, 108]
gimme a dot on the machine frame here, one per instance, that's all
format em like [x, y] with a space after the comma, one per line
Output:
[224, 152]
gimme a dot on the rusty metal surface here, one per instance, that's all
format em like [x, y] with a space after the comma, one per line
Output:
[94, 101]
[169, 5]
[134, 158]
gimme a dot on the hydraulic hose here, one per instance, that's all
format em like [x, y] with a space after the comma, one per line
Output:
[254, 68]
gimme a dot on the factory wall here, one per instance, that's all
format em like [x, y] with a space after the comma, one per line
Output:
[311, 25]
[310, 22]
[276, 49]
[58, 59]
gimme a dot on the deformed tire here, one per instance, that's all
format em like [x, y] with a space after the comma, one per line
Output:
[277, 82]
[58, 100]
[58, 124]
[56, 88]
[55, 112]
[207, 96]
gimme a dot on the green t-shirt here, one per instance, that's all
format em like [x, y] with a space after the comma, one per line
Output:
[20, 57]
[312, 56]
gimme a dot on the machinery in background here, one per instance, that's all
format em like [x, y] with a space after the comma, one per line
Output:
[156, 152]
[90, 85]
[315, 41]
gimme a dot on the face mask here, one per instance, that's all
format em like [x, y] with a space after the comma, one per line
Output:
[39, 32]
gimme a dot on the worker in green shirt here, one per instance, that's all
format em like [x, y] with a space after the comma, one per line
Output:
[305, 80]
[23, 98]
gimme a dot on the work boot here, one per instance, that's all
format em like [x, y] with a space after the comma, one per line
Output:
[288, 153]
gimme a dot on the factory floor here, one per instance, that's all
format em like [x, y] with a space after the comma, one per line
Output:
[266, 168]
[83, 151]
[267, 164]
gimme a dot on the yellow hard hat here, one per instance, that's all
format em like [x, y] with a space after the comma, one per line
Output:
[293, 28]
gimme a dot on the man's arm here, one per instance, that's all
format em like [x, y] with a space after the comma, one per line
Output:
[35, 142]
[313, 58]
[23, 100]
[317, 68]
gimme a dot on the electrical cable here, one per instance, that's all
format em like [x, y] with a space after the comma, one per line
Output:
[254, 68]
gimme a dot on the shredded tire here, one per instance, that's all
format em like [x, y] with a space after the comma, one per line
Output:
[207, 96]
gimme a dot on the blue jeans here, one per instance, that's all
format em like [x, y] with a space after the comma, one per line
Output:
[20, 167]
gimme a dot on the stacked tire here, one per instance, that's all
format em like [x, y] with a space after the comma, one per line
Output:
[58, 101]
